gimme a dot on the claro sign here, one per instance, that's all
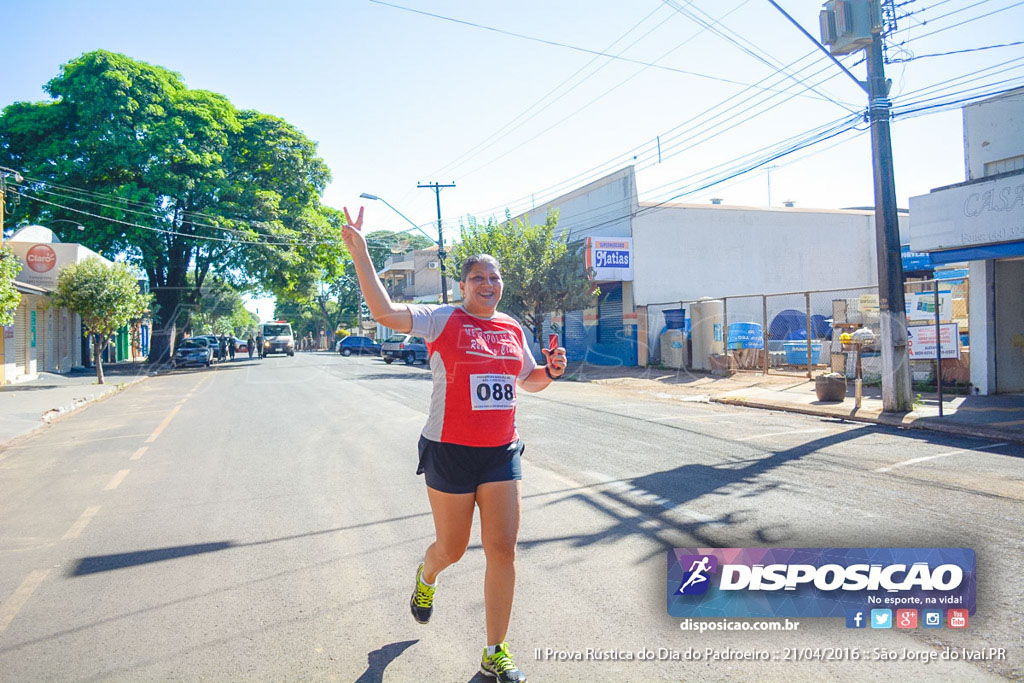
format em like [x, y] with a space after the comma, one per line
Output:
[41, 258]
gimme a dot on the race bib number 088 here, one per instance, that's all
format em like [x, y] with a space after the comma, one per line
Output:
[492, 392]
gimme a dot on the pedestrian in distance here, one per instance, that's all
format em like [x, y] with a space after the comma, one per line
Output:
[469, 450]
[232, 346]
[250, 344]
[223, 344]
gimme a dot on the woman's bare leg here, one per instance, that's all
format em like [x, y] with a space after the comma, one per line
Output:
[499, 530]
[453, 520]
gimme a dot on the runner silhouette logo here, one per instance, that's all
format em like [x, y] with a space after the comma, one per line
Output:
[697, 577]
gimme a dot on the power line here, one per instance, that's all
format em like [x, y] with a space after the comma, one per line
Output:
[564, 45]
[956, 52]
[557, 88]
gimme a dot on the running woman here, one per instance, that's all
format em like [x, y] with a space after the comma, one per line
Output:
[469, 450]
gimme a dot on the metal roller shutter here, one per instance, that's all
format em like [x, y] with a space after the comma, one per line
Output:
[575, 337]
[21, 336]
[609, 315]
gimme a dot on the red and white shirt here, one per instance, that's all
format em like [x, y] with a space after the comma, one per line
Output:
[475, 363]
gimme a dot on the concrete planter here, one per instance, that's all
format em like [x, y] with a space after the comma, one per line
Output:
[830, 388]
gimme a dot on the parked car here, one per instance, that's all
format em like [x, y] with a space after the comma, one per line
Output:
[358, 345]
[241, 346]
[405, 347]
[214, 342]
[193, 351]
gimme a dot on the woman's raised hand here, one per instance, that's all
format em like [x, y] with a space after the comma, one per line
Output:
[352, 234]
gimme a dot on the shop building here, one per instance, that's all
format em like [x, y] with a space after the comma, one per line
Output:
[43, 338]
[981, 221]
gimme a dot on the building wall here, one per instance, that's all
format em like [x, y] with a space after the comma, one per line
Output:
[993, 144]
[687, 252]
[993, 131]
[603, 208]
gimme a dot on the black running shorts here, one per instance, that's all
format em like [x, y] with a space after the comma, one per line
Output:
[452, 468]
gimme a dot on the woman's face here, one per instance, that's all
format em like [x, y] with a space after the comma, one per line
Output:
[481, 291]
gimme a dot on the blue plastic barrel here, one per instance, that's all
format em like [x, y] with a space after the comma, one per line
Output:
[746, 336]
[675, 318]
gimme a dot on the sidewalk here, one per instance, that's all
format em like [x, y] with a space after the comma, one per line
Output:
[998, 417]
[28, 406]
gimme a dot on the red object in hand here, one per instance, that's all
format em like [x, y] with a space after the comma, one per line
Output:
[552, 342]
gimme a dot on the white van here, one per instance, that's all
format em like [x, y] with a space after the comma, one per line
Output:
[277, 337]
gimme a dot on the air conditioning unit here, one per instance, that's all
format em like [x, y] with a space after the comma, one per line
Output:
[432, 265]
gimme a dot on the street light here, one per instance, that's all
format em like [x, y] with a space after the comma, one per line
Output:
[439, 242]
[78, 226]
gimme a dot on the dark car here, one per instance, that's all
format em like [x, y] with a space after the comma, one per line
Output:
[358, 345]
[193, 351]
[405, 347]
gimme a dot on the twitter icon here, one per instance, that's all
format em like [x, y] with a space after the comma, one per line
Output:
[881, 618]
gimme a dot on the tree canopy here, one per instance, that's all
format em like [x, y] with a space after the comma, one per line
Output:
[177, 179]
[107, 297]
[10, 266]
[542, 271]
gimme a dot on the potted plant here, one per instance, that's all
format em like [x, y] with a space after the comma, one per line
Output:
[830, 386]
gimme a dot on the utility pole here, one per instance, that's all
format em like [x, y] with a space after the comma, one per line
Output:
[848, 27]
[440, 235]
[896, 392]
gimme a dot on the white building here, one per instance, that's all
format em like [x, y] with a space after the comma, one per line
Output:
[683, 252]
[42, 338]
[981, 221]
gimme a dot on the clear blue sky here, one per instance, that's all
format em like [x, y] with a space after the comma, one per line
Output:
[394, 97]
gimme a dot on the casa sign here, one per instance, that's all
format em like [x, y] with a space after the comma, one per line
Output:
[970, 215]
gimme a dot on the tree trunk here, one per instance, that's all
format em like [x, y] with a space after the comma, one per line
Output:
[97, 353]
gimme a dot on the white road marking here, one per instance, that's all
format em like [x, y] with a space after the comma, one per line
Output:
[116, 481]
[139, 453]
[764, 436]
[76, 529]
[13, 604]
[914, 461]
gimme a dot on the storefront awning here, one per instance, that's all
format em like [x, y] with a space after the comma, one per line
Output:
[979, 253]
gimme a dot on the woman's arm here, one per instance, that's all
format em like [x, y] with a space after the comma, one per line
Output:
[383, 310]
[539, 379]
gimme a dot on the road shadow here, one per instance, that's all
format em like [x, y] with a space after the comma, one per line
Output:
[104, 563]
[379, 659]
[422, 376]
[662, 497]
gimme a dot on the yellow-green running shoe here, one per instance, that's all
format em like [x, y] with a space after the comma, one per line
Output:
[422, 601]
[501, 667]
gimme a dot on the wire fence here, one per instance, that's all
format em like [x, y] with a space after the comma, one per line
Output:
[800, 333]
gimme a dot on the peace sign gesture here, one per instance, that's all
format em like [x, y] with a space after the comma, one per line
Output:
[352, 234]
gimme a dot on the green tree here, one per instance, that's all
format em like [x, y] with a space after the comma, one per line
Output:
[182, 183]
[106, 297]
[383, 243]
[542, 271]
[10, 266]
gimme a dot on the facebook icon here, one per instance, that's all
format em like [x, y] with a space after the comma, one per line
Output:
[856, 619]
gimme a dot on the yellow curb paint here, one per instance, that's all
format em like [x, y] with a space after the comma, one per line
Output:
[163, 425]
[116, 481]
[13, 604]
[76, 529]
[139, 453]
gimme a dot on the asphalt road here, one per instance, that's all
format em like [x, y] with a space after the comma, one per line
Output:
[262, 521]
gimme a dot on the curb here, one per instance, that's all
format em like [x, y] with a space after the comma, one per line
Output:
[54, 415]
[946, 428]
